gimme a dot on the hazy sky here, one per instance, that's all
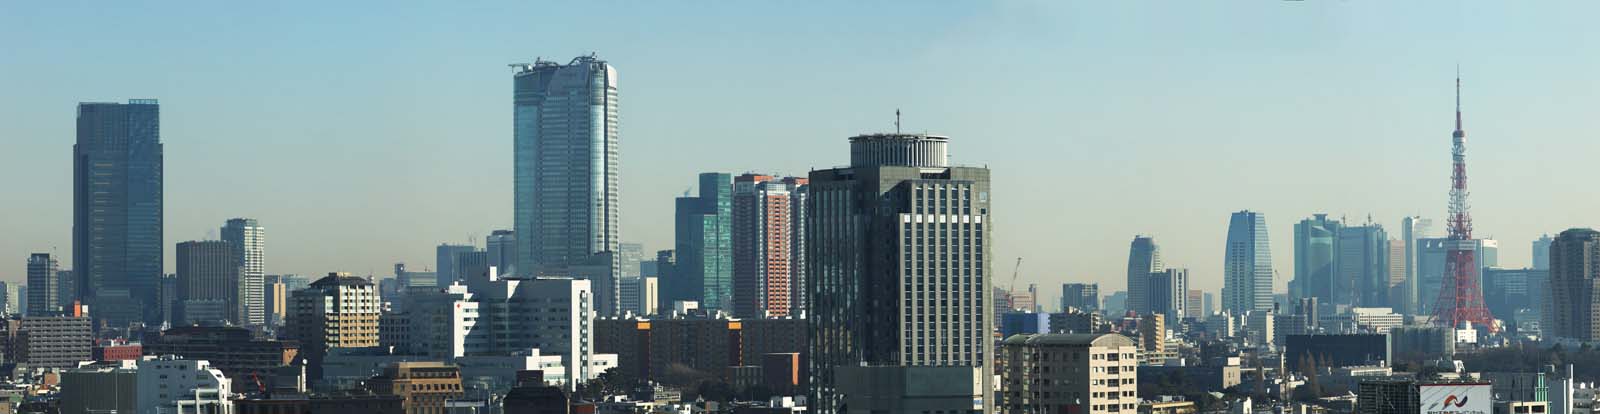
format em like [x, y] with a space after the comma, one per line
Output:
[365, 133]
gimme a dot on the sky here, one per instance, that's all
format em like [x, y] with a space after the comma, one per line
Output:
[365, 133]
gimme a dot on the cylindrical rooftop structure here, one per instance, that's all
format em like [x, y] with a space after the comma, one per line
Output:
[908, 150]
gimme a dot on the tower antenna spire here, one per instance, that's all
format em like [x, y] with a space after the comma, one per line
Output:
[897, 120]
[1458, 97]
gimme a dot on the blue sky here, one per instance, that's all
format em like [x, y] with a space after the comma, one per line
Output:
[365, 133]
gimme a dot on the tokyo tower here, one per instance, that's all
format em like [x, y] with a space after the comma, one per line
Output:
[1460, 297]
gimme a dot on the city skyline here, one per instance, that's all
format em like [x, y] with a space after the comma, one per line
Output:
[322, 183]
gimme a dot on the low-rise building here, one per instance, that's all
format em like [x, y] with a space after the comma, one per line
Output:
[1069, 373]
[910, 389]
[171, 385]
[424, 387]
[54, 341]
[231, 349]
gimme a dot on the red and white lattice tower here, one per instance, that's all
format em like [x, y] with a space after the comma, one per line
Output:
[1460, 296]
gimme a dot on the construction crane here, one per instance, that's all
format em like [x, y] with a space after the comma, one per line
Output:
[1011, 295]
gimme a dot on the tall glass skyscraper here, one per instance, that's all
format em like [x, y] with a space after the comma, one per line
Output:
[1247, 265]
[565, 164]
[704, 244]
[1316, 255]
[1144, 258]
[117, 210]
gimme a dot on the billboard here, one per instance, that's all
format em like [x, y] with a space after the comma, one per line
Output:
[1471, 398]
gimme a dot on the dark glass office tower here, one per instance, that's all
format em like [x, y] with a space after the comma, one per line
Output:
[896, 271]
[704, 243]
[117, 210]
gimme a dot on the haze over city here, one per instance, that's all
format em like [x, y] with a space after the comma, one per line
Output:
[366, 134]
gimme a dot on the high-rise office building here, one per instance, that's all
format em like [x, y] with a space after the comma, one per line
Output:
[1168, 293]
[764, 211]
[704, 245]
[1315, 257]
[566, 164]
[471, 264]
[666, 266]
[1412, 230]
[1396, 261]
[896, 245]
[1247, 264]
[649, 295]
[445, 262]
[1362, 275]
[502, 248]
[628, 257]
[1541, 252]
[42, 300]
[337, 311]
[1571, 309]
[1144, 259]
[1192, 305]
[1084, 297]
[117, 210]
[208, 282]
[11, 298]
[249, 241]
[66, 288]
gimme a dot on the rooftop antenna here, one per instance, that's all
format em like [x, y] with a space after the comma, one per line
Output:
[897, 120]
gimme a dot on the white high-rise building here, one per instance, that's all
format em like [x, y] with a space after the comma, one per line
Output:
[249, 243]
[552, 314]
[1168, 294]
[1247, 265]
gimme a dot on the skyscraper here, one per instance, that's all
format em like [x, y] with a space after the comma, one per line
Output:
[42, 285]
[764, 210]
[1144, 258]
[208, 282]
[1541, 252]
[337, 311]
[666, 276]
[1247, 265]
[896, 245]
[445, 262]
[1412, 230]
[1362, 276]
[1316, 255]
[704, 245]
[249, 241]
[1168, 293]
[1082, 296]
[628, 257]
[566, 195]
[502, 248]
[1570, 308]
[117, 210]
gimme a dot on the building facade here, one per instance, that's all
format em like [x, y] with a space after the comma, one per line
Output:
[1168, 293]
[896, 272]
[248, 240]
[1572, 309]
[1247, 265]
[1144, 258]
[209, 278]
[1081, 296]
[172, 385]
[1315, 257]
[337, 311]
[764, 230]
[566, 163]
[424, 387]
[43, 295]
[1069, 373]
[704, 244]
[117, 210]
[1361, 277]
